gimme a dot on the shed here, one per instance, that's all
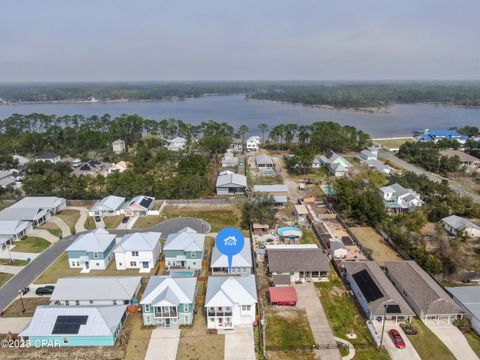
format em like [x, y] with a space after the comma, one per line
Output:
[286, 296]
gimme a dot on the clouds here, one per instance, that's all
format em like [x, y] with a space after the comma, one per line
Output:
[244, 40]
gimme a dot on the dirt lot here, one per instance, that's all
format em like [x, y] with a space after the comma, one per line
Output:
[369, 238]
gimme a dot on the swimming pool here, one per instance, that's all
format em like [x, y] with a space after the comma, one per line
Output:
[328, 189]
[182, 273]
[290, 232]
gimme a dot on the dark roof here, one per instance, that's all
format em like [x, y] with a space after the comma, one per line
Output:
[281, 279]
[293, 260]
[146, 201]
[85, 167]
[68, 324]
[47, 155]
[367, 286]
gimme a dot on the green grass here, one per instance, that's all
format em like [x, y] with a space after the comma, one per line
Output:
[70, 217]
[342, 314]
[4, 277]
[474, 341]
[145, 222]
[308, 237]
[52, 228]
[30, 304]
[16, 262]
[427, 344]
[111, 222]
[31, 245]
[265, 180]
[90, 223]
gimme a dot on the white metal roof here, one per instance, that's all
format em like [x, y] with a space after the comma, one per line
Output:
[231, 290]
[186, 240]
[458, 222]
[111, 202]
[271, 188]
[44, 202]
[242, 259]
[12, 227]
[169, 291]
[146, 241]
[25, 214]
[469, 297]
[231, 179]
[95, 241]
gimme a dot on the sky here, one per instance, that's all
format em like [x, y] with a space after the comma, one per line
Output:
[168, 40]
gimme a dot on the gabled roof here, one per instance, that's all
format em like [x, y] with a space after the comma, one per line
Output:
[141, 202]
[231, 290]
[178, 140]
[293, 259]
[122, 288]
[169, 291]
[231, 180]
[146, 241]
[95, 241]
[44, 202]
[264, 159]
[118, 142]
[421, 288]
[111, 202]
[271, 188]
[242, 259]
[469, 297]
[186, 239]
[22, 214]
[12, 227]
[458, 222]
[100, 320]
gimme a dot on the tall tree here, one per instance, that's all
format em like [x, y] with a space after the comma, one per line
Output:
[263, 127]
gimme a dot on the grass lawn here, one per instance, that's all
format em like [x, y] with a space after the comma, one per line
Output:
[288, 330]
[427, 344]
[342, 314]
[52, 228]
[30, 245]
[308, 237]
[90, 223]
[217, 216]
[60, 269]
[16, 262]
[393, 143]
[111, 222]
[265, 180]
[370, 239]
[145, 222]
[70, 217]
[138, 337]
[15, 309]
[474, 341]
[4, 277]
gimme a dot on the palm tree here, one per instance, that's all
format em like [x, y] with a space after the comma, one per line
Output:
[263, 127]
[242, 130]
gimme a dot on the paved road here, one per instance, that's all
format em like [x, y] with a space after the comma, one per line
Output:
[433, 177]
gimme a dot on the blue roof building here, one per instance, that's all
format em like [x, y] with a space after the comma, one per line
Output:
[437, 135]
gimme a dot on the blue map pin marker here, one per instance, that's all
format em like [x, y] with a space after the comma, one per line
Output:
[229, 242]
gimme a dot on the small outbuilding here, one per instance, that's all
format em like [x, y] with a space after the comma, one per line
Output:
[284, 296]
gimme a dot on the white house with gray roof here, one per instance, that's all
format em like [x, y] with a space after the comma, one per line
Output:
[397, 198]
[265, 164]
[49, 157]
[14, 230]
[138, 251]
[455, 225]
[169, 301]
[108, 206]
[230, 301]
[241, 262]
[279, 192]
[230, 184]
[177, 144]
[336, 164]
[92, 251]
[468, 297]
[34, 209]
[96, 290]
[184, 250]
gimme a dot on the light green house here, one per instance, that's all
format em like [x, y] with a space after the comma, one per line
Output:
[184, 250]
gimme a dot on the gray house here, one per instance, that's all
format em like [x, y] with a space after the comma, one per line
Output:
[241, 262]
[422, 293]
[184, 250]
[376, 295]
[469, 299]
[169, 301]
[230, 184]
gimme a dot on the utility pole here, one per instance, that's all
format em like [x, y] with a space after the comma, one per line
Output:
[383, 326]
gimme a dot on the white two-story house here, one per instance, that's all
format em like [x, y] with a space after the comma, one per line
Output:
[138, 251]
[230, 301]
[397, 198]
[253, 143]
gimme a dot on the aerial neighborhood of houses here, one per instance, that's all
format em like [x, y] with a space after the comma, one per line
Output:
[136, 266]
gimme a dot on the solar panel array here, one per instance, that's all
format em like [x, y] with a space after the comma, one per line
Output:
[393, 309]
[347, 241]
[367, 286]
[146, 201]
[69, 324]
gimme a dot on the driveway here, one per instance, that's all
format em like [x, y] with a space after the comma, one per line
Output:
[61, 224]
[163, 344]
[44, 234]
[239, 343]
[13, 324]
[307, 298]
[5, 254]
[80, 224]
[454, 340]
[409, 353]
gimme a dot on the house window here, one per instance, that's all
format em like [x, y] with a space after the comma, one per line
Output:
[91, 301]
[134, 253]
[133, 263]
[77, 302]
[67, 302]
[78, 263]
[73, 263]
[125, 302]
[98, 264]
[65, 340]
[194, 263]
[405, 292]
[245, 307]
[193, 254]
[114, 302]
[147, 308]
[185, 307]
[95, 255]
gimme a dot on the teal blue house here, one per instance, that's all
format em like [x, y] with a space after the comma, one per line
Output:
[55, 326]
[169, 301]
[184, 250]
[92, 251]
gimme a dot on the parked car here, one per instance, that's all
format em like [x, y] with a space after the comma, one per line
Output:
[45, 290]
[125, 219]
[98, 219]
[396, 338]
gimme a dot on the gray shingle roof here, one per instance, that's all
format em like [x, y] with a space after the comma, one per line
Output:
[294, 260]
[458, 222]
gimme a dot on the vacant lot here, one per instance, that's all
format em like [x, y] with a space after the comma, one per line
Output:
[427, 344]
[138, 337]
[145, 222]
[371, 240]
[60, 269]
[30, 245]
[308, 237]
[343, 315]
[4, 277]
[15, 309]
[70, 217]
[288, 332]
[218, 216]
[111, 222]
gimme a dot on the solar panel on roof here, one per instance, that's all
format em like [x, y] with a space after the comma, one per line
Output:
[393, 309]
[69, 324]
[367, 286]
[347, 241]
[145, 203]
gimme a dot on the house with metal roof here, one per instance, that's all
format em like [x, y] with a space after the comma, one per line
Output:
[48, 156]
[442, 134]
[265, 164]
[230, 184]
[378, 166]
[455, 225]
[279, 192]
[375, 293]
[370, 153]
[92, 251]
[184, 250]
[336, 164]
[424, 295]
[229, 160]
[14, 229]
[96, 290]
[177, 144]
[108, 206]
[468, 297]
[34, 209]
[300, 263]
[58, 326]
[6, 179]
[118, 146]
[230, 301]
[169, 301]
[138, 251]
[397, 198]
[241, 262]
[139, 206]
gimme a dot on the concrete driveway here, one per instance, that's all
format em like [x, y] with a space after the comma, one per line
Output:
[307, 299]
[409, 353]
[62, 225]
[454, 340]
[13, 324]
[163, 344]
[44, 234]
[239, 343]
